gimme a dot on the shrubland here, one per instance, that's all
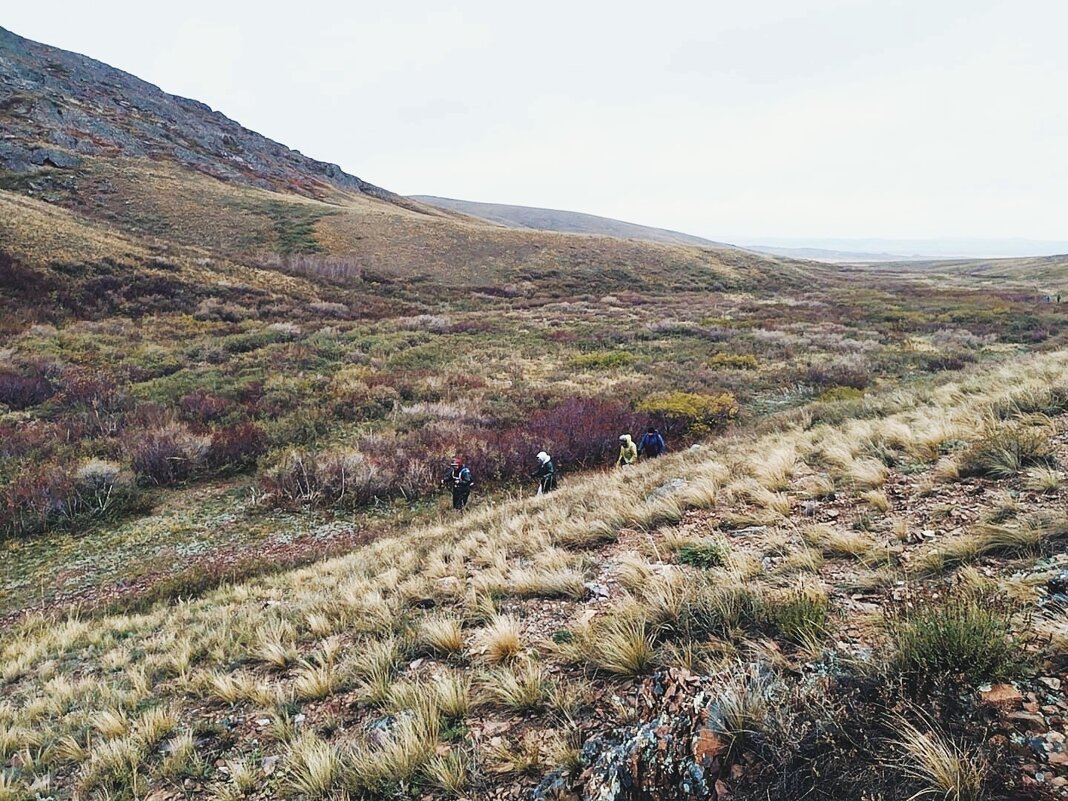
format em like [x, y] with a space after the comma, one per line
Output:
[228, 570]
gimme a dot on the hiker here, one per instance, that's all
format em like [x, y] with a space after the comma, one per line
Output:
[652, 444]
[459, 478]
[628, 451]
[546, 473]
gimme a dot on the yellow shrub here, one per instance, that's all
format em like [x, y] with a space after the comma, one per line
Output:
[698, 414]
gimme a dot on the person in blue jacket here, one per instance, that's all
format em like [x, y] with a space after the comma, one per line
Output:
[652, 444]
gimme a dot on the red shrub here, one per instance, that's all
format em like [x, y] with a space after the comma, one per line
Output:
[20, 391]
[33, 497]
[97, 399]
[236, 447]
[201, 406]
[167, 454]
[841, 372]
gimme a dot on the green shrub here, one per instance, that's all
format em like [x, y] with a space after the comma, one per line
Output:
[733, 361]
[1005, 449]
[965, 636]
[703, 554]
[841, 394]
[602, 360]
[691, 412]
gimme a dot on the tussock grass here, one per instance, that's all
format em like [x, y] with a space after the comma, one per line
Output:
[963, 636]
[314, 768]
[776, 470]
[704, 554]
[799, 614]
[439, 635]
[865, 474]
[834, 542]
[182, 759]
[397, 757]
[316, 681]
[1005, 449]
[559, 583]
[1043, 479]
[744, 704]
[818, 487]
[500, 641]
[520, 758]
[449, 772]
[523, 687]
[633, 572]
[368, 599]
[942, 768]
[620, 646]
[775, 503]
[877, 500]
[1030, 536]
[277, 646]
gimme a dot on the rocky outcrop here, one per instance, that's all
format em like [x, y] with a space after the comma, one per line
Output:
[57, 106]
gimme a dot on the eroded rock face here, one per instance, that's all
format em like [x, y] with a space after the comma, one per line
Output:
[56, 106]
[674, 753]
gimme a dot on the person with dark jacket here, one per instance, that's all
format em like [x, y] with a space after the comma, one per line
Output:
[461, 482]
[652, 444]
[546, 474]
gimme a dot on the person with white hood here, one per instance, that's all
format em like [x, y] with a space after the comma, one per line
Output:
[546, 474]
[628, 451]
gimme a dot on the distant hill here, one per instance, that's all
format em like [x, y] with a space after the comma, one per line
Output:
[116, 196]
[1045, 274]
[882, 250]
[831, 256]
[568, 222]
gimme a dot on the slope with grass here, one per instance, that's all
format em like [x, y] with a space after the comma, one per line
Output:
[568, 222]
[486, 654]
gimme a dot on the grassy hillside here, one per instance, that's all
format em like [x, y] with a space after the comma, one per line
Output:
[231, 379]
[804, 577]
[1044, 274]
[571, 222]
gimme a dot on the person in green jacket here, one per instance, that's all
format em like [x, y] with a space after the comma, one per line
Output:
[628, 451]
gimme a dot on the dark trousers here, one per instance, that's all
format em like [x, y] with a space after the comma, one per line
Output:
[460, 496]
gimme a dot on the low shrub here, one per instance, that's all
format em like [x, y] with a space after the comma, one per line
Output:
[704, 555]
[841, 394]
[343, 477]
[167, 454]
[39, 497]
[236, 447]
[201, 406]
[846, 371]
[602, 360]
[18, 391]
[963, 637]
[733, 361]
[690, 413]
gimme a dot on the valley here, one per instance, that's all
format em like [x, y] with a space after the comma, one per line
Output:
[233, 377]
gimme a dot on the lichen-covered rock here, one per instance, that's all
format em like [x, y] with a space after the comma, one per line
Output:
[674, 753]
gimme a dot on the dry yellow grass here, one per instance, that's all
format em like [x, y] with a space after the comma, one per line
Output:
[367, 600]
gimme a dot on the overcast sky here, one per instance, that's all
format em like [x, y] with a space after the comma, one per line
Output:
[736, 121]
